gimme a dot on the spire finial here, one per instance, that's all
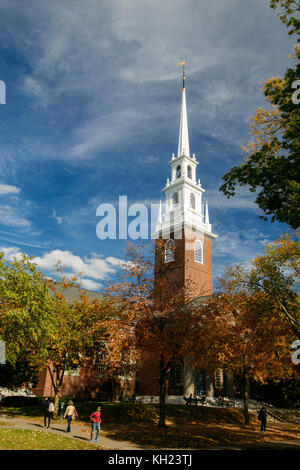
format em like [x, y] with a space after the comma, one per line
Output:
[183, 143]
[183, 63]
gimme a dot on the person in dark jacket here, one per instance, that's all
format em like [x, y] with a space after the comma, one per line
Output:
[262, 416]
[46, 404]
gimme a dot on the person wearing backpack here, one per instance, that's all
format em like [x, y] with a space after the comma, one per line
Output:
[95, 420]
[70, 414]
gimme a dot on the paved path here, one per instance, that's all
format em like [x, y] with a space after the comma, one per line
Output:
[82, 432]
[77, 432]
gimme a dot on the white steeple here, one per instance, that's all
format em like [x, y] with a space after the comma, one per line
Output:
[183, 141]
[183, 191]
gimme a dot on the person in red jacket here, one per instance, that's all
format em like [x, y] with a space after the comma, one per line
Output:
[95, 421]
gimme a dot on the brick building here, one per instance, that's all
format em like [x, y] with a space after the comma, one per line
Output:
[188, 236]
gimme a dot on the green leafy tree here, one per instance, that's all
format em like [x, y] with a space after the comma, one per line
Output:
[272, 163]
[37, 321]
[25, 311]
[288, 8]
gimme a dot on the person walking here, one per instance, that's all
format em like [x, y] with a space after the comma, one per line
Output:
[262, 416]
[95, 419]
[46, 404]
[51, 411]
[70, 414]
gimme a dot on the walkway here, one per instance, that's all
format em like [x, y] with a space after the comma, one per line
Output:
[78, 431]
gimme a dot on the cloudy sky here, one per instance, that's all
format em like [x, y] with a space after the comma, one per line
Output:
[93, 96]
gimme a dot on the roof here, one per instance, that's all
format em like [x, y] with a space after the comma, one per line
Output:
[74, 293]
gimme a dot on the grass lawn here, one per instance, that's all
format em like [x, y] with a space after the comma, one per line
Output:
[20, 439]
[187, 427]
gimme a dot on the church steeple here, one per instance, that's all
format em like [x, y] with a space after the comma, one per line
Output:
[183, 190]
[183, 141]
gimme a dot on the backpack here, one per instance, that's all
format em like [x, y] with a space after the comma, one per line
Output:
[51, 407]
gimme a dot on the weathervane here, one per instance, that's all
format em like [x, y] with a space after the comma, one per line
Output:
[183, 63]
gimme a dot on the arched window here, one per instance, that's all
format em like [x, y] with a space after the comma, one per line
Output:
[192, 201]
[189, 172]
[175, 199]
[198, 251]
[169, 252]
[178, 171]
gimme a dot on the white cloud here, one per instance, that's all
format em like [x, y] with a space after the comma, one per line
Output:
[101, 132]
[11, 252]
[9, 216]
[8, 189]
[91, 269]
[90, 285]
[234, 247]
[243, 200]
[94, 267]
[103, 52]
[58, 219]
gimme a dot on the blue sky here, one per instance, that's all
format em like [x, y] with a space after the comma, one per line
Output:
[93, 95]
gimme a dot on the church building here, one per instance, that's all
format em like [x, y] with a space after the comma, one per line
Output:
[185, 261]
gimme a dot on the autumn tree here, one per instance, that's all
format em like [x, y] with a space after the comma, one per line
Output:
[249, 325]
[272, 156]
[37, 321]
[73, 345]
[276, 273]
[150, 317]
[241, 334]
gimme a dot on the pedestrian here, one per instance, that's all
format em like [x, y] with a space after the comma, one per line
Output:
[95, 419]
[70, 414]
[51, 411]
[46, 404]
[262, 416]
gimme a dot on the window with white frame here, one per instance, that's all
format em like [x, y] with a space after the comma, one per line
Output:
[189, 172]
[198, 251]
[192, 201]
[175, 199]
[178, 171]
[169, 252]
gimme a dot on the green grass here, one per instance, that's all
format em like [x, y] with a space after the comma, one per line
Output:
[20, 439]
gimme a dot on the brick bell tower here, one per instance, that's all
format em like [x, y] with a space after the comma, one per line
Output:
[183, 255]
[184, 227]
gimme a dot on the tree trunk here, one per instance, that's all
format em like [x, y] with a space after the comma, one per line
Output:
[56, 383]
[245, 388]
[56, 403]
[162, 394]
